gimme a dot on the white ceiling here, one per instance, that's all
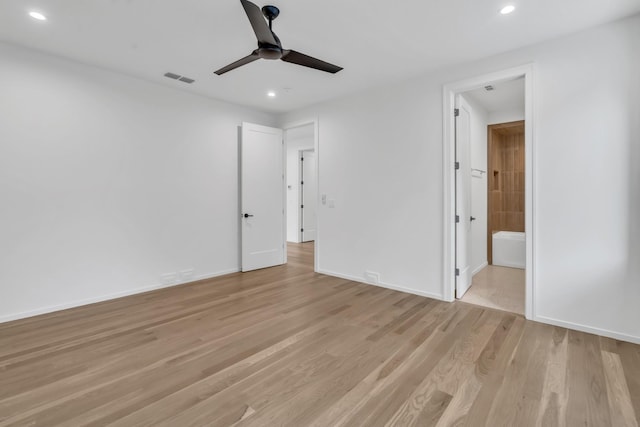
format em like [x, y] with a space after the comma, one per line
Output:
[375, 41]
[508, 95]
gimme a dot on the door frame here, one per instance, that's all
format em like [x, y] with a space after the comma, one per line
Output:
[449, 92]
[301, 192]
[316, 147]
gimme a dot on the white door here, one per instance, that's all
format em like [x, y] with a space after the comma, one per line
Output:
[262, 197]
[309, 195]
[463, 196]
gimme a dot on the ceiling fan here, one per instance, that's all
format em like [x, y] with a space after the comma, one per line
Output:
[269, 46]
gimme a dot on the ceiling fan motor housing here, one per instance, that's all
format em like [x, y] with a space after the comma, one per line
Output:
[267, 51]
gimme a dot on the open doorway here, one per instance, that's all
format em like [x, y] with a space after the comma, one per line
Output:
[490, 187]
[497, 190]
[301, 186]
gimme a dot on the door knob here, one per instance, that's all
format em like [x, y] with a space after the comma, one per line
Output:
[473, 218]
[247, 215]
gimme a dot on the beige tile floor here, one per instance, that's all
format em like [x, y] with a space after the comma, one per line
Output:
[498, 287]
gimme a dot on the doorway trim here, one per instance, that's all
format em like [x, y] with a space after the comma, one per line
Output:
[301, 192]
[449, 91]
[316, 146]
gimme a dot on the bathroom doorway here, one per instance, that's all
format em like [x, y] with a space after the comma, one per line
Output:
[490, 187]
[496, 176]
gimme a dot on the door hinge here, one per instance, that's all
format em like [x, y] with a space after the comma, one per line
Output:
[456, 112]
[302, 230]
[457, 165]
[301, 206]
[457, 271]
[457, 219]
[301, 182]
[302, 159]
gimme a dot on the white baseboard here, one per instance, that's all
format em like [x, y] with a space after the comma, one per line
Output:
[107, 297]
[382, 284]
[216, 274]
[588, 329]
[479, 268]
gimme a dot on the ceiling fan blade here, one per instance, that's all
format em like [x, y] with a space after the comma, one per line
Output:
[260, 26]
[238, 63]
[308, 61]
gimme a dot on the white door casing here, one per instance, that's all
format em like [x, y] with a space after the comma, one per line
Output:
[309, 195]
[463, 196]
[449, 92]
[262, 197]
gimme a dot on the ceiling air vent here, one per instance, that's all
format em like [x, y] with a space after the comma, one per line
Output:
[488, 88]
[179, 77]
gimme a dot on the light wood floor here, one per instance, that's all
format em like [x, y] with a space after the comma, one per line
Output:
[286, 346]
[497, 287]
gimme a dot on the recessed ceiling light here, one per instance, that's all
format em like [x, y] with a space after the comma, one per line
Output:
[37, 15]
[271, 94]
[507, 9]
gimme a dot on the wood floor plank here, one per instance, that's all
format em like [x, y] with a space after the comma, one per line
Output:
[532, 388]
[418, 335]
[444, 381]
[630, 358]
[509, 397]
[492, 372]
[622, 413]
[552, 410]
[398, 388]
[288, 346]
[588, 402]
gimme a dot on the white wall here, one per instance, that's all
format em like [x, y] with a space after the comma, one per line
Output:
[382, 173]
[478, 126]
[506, 116]
[381, 160]
[296, 139]
[108, 182]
